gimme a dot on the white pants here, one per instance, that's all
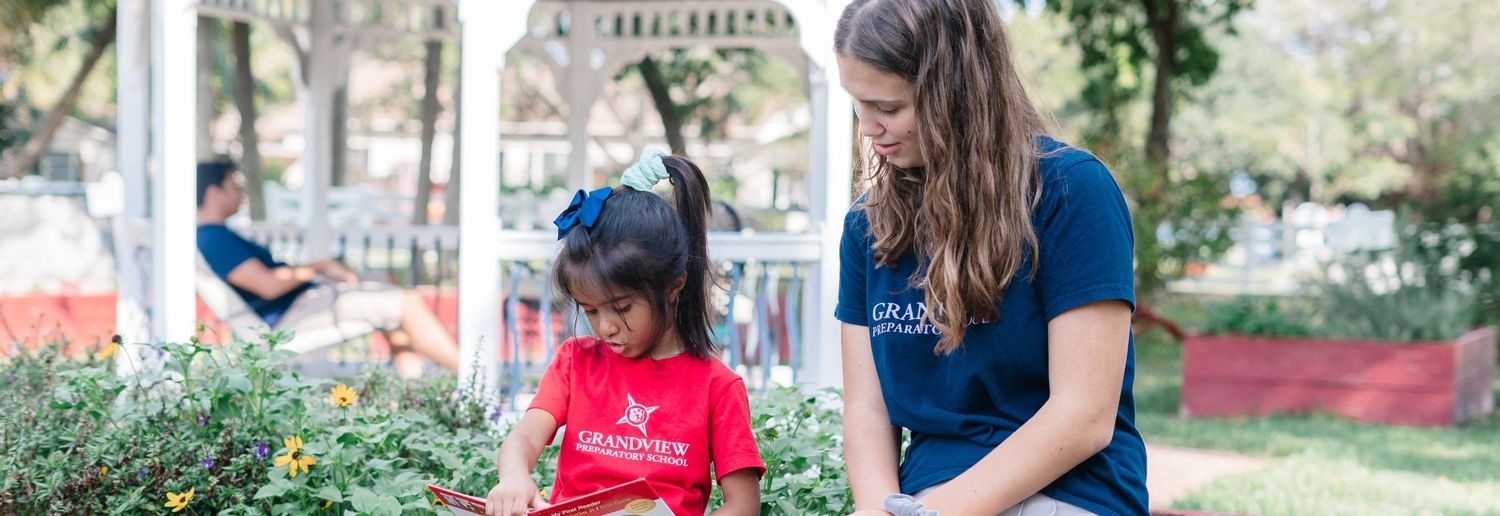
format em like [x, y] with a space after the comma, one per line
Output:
[1037, 505]
[354, 310]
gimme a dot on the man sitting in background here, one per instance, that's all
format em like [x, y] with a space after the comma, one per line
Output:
[316, 295]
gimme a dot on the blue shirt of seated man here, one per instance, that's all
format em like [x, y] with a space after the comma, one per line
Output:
[224, 250]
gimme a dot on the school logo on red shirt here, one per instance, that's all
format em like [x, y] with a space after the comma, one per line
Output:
[642, 448]
[636, 415]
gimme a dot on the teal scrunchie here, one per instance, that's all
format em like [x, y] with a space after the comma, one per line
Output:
[645, 174]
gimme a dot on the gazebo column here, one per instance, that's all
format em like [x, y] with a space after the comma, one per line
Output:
[321, 80]
[584, 86]
[830, 182]
[487, 28]
[133, 50]
[173, 105]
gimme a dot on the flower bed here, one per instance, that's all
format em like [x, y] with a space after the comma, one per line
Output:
[1423, 383]
[229, 431]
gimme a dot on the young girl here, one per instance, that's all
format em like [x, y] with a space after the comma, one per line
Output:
[645, 397]
[986, 284]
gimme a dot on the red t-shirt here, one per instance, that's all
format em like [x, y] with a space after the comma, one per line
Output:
[662, 420]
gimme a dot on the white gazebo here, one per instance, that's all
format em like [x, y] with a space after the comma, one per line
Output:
[585, 42]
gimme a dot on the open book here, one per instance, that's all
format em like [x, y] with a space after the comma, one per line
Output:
[633, 498]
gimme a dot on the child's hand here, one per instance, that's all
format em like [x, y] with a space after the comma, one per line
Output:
[512, 496]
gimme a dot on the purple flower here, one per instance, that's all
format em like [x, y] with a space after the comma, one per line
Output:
[142, 475]
[202, 419]
[207, 463]
[10, 378]
[262, 450]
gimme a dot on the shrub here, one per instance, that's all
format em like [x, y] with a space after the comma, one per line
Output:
[1248, 315]
[217, 422]
[1417, 291]
[1383, 297]
[244, 436]
[801, 441]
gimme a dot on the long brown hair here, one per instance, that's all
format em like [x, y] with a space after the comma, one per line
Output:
[966, 212]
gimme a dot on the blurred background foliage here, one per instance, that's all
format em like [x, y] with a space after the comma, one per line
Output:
[1385, 102]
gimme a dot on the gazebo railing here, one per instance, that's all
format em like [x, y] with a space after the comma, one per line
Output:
[760, 298]
[727, 24]
[433, 18]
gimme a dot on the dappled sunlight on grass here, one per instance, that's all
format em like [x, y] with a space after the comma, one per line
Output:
[1313, 484]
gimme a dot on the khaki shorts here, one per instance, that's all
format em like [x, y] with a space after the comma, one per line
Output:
[355, 309]
[1037, 505]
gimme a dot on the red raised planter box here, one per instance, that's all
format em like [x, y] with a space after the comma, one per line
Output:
[1419, 383]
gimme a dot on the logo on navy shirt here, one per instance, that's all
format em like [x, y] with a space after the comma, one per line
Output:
[906, 318]
[636, 415]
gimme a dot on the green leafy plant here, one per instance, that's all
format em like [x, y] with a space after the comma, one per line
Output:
[1417, 291]
[1251, 315]
[233, 428]
[801, 441]
[227, 430]
[1384, 297]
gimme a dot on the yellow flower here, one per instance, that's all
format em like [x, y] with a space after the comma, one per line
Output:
[103, 470]
[440, 501]
[179, 501]
[343, 396]
[112, 348]
[326, 504]
[294, 458]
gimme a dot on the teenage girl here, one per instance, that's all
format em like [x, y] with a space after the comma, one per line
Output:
[644, 397]
[986, 284]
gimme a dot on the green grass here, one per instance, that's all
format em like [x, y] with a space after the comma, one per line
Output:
[1322, 465]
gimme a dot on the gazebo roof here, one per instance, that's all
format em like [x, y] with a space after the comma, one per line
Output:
[613, 32]
[389, 18]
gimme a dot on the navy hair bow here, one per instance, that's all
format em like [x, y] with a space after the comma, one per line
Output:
[584, 210]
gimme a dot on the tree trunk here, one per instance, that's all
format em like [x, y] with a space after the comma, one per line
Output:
[429, 113]
[207, 33]
[1145, 319]
[244, 101]
[1163, 17]
[340, 150]
[670, 122]
[42, 138]
[450, 206]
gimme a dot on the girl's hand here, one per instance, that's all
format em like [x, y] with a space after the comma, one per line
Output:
[512, 496]
[517, 457]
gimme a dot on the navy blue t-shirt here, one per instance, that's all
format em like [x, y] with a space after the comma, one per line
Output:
[224, 250]
[962, 405]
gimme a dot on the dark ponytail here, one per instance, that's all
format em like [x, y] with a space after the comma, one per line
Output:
[640, 244]
[694, 310]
